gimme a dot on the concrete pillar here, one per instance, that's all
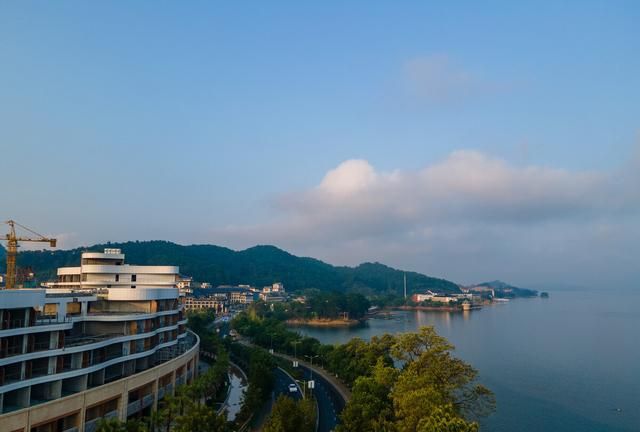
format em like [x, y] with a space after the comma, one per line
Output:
[123, 403]
[53, 340]
[82, 416]
[62, 311]
[155, 394]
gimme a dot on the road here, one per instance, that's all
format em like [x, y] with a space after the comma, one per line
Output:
[281, 385]
[330, 401]
[330, 404]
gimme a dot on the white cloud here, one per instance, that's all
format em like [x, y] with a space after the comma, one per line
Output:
[465, 217]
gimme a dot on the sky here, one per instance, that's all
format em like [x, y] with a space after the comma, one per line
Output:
[467, 141]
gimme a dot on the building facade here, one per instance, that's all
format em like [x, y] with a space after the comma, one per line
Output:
[107, 339]
[217, 303]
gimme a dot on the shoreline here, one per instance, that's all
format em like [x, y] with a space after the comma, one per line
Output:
[429, 308]
[320, 322]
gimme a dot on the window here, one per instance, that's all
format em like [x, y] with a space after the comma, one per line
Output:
[133, 286]
[117, 278]
[133, 278]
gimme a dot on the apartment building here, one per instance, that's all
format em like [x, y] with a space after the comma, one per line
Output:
[106, 339]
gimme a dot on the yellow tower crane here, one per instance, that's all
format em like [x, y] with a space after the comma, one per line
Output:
[12, 249]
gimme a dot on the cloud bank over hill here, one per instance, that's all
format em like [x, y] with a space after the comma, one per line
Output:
[467, 217]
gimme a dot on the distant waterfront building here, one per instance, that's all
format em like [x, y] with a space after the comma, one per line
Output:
[433, 297]
[217, 303]
[275, 288]
[184, 285]
[106, 340]
[241, 297]
[272, 297]
[482, 289]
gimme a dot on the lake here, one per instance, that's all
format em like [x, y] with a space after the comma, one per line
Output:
[567, 363]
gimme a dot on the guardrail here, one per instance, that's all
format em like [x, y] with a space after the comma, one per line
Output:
[133, 407]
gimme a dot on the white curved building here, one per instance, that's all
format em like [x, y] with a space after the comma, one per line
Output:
[107, 339]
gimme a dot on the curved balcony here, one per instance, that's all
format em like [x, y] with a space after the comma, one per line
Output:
[85, 343]
[182, 346]
[82, 400]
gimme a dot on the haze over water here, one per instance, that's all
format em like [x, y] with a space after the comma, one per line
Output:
[566, 363]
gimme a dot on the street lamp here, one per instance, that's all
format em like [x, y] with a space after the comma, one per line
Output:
[295, 352]
[271, 346]
[311, 360]
[304, 387]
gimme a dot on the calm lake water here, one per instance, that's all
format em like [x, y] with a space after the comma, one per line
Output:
[567, 363]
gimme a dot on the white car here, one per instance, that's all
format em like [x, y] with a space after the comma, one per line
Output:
[293, 388]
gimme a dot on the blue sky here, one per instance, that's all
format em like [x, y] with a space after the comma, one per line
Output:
[207, 122]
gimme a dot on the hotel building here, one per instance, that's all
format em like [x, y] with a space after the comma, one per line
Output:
[107, 339]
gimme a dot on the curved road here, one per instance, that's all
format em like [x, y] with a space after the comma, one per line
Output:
[281, 385]
[330, 401]
[330, 404]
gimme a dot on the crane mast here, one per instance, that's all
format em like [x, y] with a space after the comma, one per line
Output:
[12, 249]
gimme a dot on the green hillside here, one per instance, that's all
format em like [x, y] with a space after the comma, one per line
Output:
[258, 266]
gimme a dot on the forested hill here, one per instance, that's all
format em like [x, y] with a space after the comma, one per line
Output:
[258, 266]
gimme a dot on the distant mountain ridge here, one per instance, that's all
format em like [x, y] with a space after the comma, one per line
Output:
[258, 266]
[503, 289]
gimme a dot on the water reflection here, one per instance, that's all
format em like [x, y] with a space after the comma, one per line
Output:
[238, 384]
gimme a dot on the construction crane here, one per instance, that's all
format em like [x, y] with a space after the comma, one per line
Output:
[12, 249]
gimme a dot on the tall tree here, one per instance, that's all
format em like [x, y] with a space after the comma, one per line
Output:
[289, 415]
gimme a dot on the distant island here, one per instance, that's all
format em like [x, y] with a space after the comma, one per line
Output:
[501, 289]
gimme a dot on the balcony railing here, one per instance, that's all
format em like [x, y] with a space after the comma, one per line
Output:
[12, 377]
[91, 425]
[11, 351]
[50, 320]
[41, 346]
[133, 407]
[147, 400]
[87, 339]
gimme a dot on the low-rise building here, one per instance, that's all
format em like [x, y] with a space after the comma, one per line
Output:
[217, 303]
[272, 297]
[184, 285]
[434, 297]
[241, 297]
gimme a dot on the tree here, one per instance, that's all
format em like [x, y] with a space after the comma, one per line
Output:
[200, 418]
[288, 415]
[115, 425]
[432, 379]
[370, 407]
[444, 419]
